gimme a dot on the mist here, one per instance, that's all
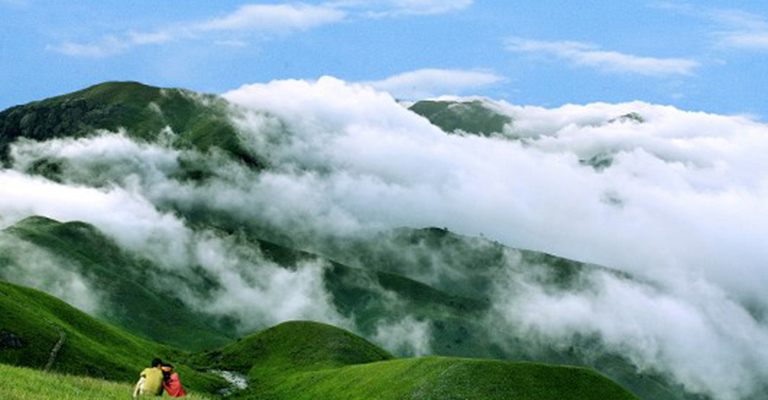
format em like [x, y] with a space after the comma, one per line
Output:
[28, 265]
[681, 204]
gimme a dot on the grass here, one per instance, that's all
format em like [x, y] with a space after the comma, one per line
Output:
[201, 121]
[294, 346]
[123, 280]
[307, 360]
[445, 379]
[90, 347]
[23, 383]
[294, 360]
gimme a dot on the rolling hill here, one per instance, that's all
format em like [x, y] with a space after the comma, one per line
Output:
[291, 360]
[41, 332]
[320, 361]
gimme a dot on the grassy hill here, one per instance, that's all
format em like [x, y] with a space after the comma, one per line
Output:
[131, 302]
[456, 322]
[23, 383]
[201, 121]
[41, 332]
[294, 360]
[467, 267]
[307, 360]
[123, 279]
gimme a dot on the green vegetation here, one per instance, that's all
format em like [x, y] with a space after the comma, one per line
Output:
[23, 383]
[456, 323]
[34, 324]
[294, 360]
[306, 360]
[201, 121]
[445, 378]
[468, 117]
[294, 346]
[468, 266]
[132, 302]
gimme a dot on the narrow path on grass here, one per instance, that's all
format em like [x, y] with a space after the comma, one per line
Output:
[55, 349]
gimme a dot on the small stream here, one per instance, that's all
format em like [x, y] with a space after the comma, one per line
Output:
[237, 381]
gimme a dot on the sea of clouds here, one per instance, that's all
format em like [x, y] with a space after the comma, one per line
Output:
[682, 206]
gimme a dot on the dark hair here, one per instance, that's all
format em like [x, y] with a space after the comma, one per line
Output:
[156, 362]
[167, 374]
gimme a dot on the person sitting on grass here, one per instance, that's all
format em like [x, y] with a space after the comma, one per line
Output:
[171, 382]
[150, 380]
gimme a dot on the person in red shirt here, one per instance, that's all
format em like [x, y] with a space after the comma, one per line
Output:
[171, 382]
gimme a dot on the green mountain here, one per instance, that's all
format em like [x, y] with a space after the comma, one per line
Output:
[200, 121]
[131, 300]
[306, 360]
[474, 117]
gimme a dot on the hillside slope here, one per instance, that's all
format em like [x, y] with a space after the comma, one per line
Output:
[307, 360]
[473, 117]
[128, 289]
[129, 299]
[201, 121]
[41, 332]
[22, 383]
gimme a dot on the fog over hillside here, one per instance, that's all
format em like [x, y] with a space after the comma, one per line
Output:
[676, 199]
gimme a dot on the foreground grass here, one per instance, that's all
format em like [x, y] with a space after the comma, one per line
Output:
[22, 383]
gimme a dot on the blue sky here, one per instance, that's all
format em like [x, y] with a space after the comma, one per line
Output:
[710, 56]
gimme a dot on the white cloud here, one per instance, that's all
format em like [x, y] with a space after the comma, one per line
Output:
[742, 30]
[252, 289]
[406, 337]
[397, 8]
[28, 265]
[679, 333]
[274, 18]
[746, 40]
[434, 82]
[108, 46]
[141, 38]
[589, 55]
[737, 29]
[261, 19]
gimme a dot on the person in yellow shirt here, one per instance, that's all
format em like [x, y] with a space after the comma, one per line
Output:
[150, 380]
